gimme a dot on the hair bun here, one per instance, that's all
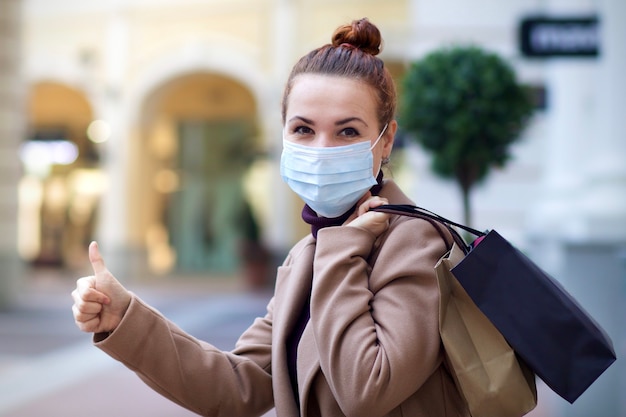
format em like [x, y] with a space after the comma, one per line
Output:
[361, 34]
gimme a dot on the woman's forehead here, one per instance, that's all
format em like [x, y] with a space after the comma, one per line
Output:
[335, 95]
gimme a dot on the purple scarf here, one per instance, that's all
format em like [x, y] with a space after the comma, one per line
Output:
[317, 222]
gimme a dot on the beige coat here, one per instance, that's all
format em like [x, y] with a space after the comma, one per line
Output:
[371, 348]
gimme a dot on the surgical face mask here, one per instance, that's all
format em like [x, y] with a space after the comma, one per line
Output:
[329, 179]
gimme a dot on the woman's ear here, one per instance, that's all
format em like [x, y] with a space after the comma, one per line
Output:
[389, 137]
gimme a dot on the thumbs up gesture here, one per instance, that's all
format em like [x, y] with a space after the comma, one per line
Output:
[100, 301]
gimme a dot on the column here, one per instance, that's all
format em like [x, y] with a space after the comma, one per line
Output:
[281, 228]
[11, 132]
[112, 232]
[596, 262]
[578, 224]
[604, 203]
[570, 112]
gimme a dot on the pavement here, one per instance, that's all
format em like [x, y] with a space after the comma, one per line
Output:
[50, 368]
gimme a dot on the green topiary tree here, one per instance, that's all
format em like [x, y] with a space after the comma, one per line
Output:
[465, 106]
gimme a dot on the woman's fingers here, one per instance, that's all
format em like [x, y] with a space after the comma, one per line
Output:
[371, 203]
[376, 222]
[86, 307]
[88, 304]
[86, 290]
[85, 322]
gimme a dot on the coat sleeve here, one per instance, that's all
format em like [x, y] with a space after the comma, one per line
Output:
[193, 373]
[376, 327]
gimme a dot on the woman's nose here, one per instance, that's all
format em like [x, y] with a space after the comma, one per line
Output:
[323, 140]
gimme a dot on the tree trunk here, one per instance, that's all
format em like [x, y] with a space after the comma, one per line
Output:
[466, 176]
[467, 212]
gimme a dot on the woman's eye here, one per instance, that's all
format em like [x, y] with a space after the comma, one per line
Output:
[349, 132]
[303, 130]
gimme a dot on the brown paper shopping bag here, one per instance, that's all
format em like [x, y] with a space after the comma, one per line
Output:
[493, 380]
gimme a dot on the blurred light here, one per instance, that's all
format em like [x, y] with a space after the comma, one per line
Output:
[38, 156]
[87, 182]
[161, 256]
[55, 193]
[80, 210]
[163, 142]
[30, 199]
[255, 181]
[86, 186]
[99, 131]
[166, 181]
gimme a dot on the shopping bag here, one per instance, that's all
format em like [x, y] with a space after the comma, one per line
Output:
[543, 323]
[554, 335]
[488, 373]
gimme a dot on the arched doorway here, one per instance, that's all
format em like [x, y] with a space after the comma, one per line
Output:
[200, 134]
[59, 190]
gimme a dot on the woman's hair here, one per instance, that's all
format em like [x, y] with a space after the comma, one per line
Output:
[351, 54]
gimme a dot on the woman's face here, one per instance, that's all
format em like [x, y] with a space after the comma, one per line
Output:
[326, 111]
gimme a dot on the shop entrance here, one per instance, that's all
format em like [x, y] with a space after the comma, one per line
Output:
[200, 139]
[208, 215]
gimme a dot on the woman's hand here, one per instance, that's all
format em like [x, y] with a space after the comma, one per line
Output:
[375, 222]
[100, 301]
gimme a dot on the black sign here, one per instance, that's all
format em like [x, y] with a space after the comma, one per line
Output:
[560, 37]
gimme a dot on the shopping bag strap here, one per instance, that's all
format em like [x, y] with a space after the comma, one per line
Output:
[419, 212]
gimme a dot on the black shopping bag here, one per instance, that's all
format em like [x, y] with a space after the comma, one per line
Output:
[554, 335]
[547, 328]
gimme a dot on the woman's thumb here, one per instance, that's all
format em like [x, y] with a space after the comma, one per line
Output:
[97, 263]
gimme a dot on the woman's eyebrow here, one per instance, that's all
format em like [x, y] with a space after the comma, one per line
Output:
[305, 120]
[349, 120]
[337, 123]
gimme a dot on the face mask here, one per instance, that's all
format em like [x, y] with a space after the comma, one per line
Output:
[329, 179]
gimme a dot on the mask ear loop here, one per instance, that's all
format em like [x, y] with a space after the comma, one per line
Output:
[379, 136]
[382, 162]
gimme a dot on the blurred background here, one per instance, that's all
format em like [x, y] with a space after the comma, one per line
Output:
[154, 127]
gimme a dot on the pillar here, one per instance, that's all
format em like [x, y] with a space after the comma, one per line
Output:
[112, 232]
[596, 264]
[604, 203]
[280, 230]
[578, 225]
[11, 132]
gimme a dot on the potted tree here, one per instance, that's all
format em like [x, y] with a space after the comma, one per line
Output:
[465, 106]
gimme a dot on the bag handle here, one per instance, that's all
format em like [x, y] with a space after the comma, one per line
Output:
[419, 212]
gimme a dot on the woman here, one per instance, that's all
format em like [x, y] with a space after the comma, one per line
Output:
[352, 329]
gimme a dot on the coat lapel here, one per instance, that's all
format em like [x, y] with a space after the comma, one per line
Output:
[293, 286]
[308, 364]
